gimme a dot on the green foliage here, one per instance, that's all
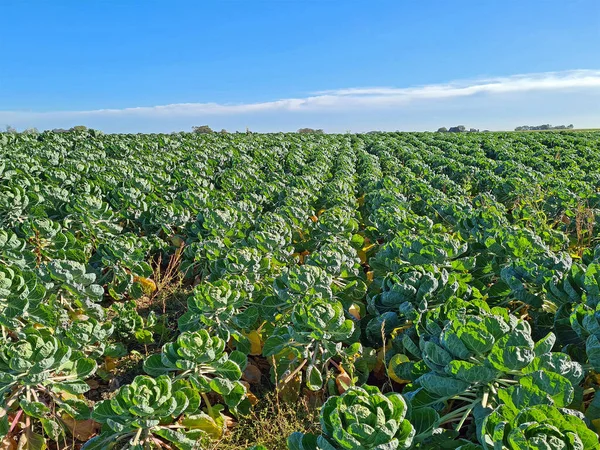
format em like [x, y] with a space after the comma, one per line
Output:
[130, 326]
[42, 379]
[461, 269]
[537, 426]
[203, 129]
[360, 418]
[201, 359]
[144, 410]
[310, 130]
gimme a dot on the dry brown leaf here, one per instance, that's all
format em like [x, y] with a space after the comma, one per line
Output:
[82, 430]
[252, 374]
[229, 422]
[343, 381]
[313, 398]
[8, 443]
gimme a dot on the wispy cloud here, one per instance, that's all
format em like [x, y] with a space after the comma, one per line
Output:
[516, 83]
[365, 98]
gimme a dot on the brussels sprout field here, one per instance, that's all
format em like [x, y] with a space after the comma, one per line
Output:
[423, 290]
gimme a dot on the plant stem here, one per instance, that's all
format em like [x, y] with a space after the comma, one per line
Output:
[293, 374]
[484, 400]
[589, 391]
[28, 430]
[453, 415]
[464, 417]
[15, 421]
[136, 438]
[207, 401]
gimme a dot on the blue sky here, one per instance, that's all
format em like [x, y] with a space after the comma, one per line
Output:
[147, 66]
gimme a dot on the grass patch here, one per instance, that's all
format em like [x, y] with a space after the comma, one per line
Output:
[270, 423]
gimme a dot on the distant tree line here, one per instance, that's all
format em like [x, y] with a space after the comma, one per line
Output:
[205, 129]
[13, 130]
[310, 131]
[457, 129]
[202, 129]
[75, 128]
[544, 127]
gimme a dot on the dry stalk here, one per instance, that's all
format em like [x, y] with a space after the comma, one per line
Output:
[165, 278]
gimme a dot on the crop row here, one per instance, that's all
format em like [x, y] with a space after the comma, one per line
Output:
[429, 290]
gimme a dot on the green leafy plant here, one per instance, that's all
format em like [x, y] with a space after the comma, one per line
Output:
[315, 334]
[360, 418]
[201, 359]
[524, 420]
[218, 307]
[469, 261]
[41, 379]
[75, 287]
[124, 267]
[130, 326]
[470, 356]
[149, 413]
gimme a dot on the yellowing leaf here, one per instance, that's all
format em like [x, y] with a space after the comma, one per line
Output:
[362, 255]
[177, 241]
[214, 427]
[256, 342]
[68, 396]
[290, 391]
[354, 311]
[396, 361]
[366, 248]
[148, 285]
[78, 315]
[110, 364]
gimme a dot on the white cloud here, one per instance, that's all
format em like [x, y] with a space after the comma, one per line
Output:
[360, 100]
[515, 83]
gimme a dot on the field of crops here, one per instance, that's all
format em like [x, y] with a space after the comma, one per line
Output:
[424, 290]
